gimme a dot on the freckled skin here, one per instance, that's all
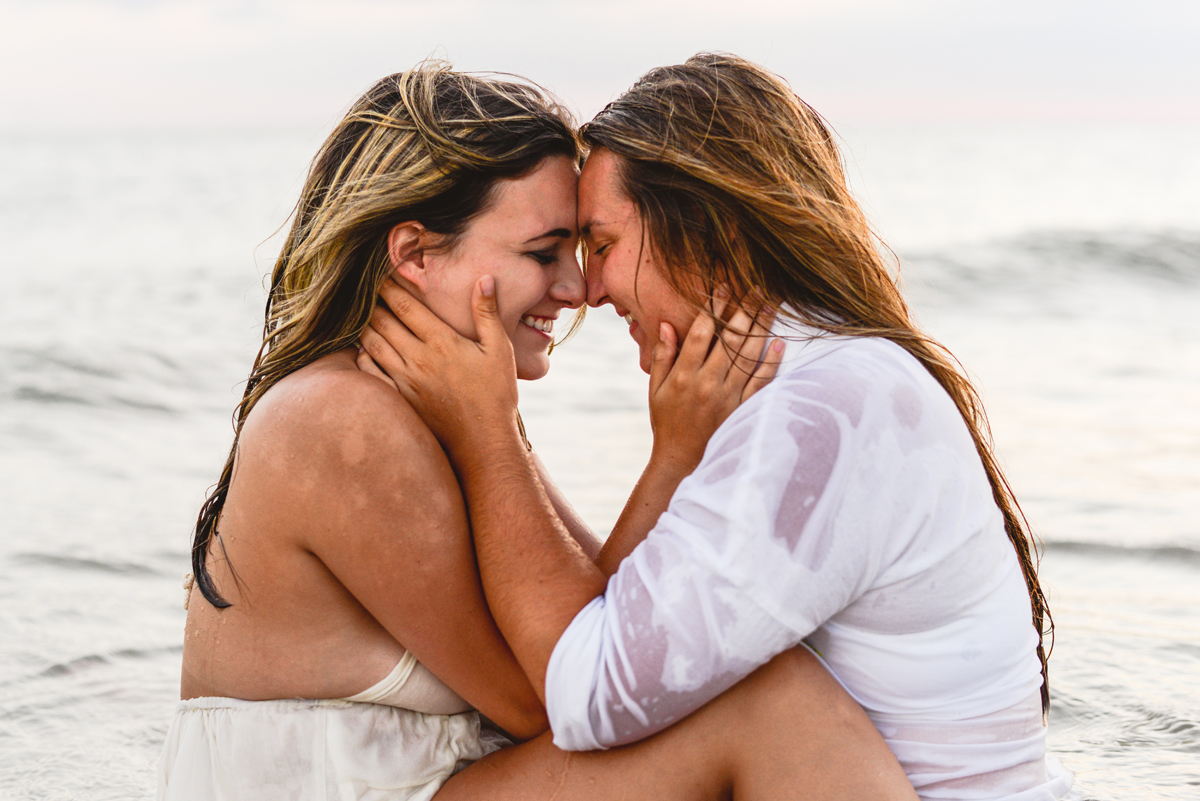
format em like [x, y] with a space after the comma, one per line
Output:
[347, 536]
[621, 268]
[500, 243]
[329, 587]
[344, 540]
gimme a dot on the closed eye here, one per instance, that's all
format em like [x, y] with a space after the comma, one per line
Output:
[543, 257]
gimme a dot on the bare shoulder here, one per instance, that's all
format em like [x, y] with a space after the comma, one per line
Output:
[330, 434]
[333, 406]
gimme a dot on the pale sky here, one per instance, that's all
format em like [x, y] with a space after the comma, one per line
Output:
[299, 63]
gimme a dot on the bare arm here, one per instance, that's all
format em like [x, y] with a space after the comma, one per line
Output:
[649, 499]
[687, 405]
[576, 527]
[368, 491]
[536, 577]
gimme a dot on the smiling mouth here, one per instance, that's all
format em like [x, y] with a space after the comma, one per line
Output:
[543, 324]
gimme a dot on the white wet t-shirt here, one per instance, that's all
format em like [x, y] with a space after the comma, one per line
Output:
[844, 506]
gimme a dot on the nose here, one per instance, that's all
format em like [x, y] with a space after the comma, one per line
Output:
[596, 294]
[568, 287]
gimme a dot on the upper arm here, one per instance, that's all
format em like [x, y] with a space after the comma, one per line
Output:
[381, 508]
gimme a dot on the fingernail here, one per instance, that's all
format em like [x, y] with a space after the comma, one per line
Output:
[664, 331]
[777, 346]
[487, 285]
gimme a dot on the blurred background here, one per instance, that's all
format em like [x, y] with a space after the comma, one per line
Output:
[1035, 166]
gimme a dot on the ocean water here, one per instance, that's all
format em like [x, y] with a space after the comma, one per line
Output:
[1061, 265]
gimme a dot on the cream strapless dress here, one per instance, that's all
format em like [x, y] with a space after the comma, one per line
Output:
[400, 739]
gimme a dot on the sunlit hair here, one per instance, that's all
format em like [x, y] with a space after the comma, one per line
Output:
[740, 183]
[428, 145]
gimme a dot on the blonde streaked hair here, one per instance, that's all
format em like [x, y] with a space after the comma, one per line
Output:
[740, 184]
[427, 145]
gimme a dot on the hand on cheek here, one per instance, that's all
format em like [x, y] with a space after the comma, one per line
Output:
[695, 387]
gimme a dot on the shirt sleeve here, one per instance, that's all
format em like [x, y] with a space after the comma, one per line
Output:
[764, 542]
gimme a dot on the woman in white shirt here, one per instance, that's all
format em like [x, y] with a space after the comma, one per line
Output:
[854, 506]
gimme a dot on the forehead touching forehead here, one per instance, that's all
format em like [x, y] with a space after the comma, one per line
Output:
[602, 198]
[541, 202]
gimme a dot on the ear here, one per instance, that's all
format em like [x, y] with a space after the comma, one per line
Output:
[406, 252]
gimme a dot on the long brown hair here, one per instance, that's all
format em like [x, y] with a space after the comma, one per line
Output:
[740, 183]
[428, 145]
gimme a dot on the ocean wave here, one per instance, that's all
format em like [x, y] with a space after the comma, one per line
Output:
[1166, 259]
[73, 666]
[1176, 554]
[85, 564]
[137, 379]
[81, 664]
[34, 394]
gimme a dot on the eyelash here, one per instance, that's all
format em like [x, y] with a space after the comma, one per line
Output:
[600, 250]
[544, 257]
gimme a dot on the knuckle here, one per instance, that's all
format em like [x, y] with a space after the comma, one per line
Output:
[400, 305]
[373, 347]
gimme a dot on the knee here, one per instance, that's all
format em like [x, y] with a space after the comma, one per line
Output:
[796, 683]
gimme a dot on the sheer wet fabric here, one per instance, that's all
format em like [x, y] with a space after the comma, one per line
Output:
[843, 506]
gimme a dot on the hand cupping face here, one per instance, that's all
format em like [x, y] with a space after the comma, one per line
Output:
[525, 238]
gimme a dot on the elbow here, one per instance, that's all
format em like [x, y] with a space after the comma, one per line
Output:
[525, 724]
[520, 715]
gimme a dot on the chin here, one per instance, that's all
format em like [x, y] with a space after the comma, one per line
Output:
[531, 369]
[644, 361]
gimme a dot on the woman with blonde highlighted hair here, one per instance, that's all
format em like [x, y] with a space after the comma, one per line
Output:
[338, 643]
[853, 509]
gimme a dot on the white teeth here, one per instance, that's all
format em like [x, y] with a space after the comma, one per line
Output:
[629, 319]
[543, 324]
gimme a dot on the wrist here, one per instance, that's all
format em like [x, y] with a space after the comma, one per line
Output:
[672, 464]
[462, 423]
[482, 440]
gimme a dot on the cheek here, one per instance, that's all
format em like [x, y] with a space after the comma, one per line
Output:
[510, 318]
[681, 319]
[674, 308]
[661, 304]
[520, 290]
[624, 279]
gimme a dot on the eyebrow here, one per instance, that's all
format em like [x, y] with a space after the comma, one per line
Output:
[558, 233]
[585, 230]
